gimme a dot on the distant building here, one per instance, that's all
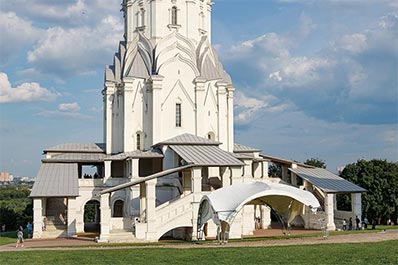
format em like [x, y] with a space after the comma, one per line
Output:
[5, 177]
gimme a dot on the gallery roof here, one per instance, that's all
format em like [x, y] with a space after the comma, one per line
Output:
[205, 155]
[326, 181]
[56, 180]
[136, 154]
[77, 148]
[188, 139]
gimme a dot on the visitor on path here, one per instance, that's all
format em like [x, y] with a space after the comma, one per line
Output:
[373, 224]
[357, 223]
[3, 228]
[350, 224]
[19, 238]
[344, 225]
[366, 222]
[29, 227]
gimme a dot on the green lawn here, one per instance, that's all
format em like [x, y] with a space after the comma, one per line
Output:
[8, 237]
[358, 253]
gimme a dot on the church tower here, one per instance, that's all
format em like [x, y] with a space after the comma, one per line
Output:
[166, 78]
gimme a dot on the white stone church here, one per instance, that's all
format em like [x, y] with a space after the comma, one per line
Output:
[169, 163]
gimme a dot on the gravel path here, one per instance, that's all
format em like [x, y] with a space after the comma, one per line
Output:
[349, 238]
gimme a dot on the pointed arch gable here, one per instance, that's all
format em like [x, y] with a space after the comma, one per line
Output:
[179, 85]
[182, 59]
[210, 96]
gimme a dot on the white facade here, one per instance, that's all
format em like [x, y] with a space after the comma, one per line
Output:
[166, 79]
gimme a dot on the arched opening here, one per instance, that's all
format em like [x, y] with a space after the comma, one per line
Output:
[118, 208]
[174, 15]
[211, 136]
[139, 143]
[92, 216]
[179, 233]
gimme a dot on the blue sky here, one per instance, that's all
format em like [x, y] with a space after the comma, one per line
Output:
[313, 78]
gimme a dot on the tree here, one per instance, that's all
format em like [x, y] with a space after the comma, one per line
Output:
[275, 171]
[315, 162]
[380, 179]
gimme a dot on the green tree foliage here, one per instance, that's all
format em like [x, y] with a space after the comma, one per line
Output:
[275, 171]
[315, 162]
[380, 179]
[15, 206]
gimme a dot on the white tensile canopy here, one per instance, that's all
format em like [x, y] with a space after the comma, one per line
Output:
[223, 204]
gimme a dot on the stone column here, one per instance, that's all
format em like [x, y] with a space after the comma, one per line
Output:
[247, 170]
[196, 174]
[199, 100]
[356, 205]
[72, 217]
[37, 217]
[285, 173]
[107, 170]
[329, 210]
[265, 217]
[236, 175]
[151, 233]
[265, 167]
[105, 218]
[143, 202]
[230, 118]
[225, 176]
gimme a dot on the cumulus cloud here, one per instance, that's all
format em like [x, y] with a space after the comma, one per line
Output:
[26, 92]
[352, 80]
[76, 51]
[69, 107]
[16, 33]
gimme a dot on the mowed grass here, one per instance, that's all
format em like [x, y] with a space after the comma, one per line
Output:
[353, 253]
[8, 237]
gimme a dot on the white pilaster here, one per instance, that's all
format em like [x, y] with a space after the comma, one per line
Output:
[225, 174]
[72, 217]
[196, 174]
[265, 167]
[230, 116]
[329, 210]
[200, 110]
[107, 170]
[151, 209]
[156, 87]
[105, 218]
[109, 97]
[37, 217]
[236, 175]
[222, 115]
[356, 201]
[128, 139]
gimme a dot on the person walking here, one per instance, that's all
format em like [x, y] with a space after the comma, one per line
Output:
[357, 223]
[29, 228]
[19, 238]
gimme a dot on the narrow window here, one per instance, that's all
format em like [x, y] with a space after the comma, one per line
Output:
[178, 114]
[118, 208]
[138, 141]
[174, 15]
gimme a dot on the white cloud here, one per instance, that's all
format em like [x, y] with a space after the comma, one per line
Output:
[16, 33]
[76, 51]
[69, 107]
[355, 43]
[26, 92]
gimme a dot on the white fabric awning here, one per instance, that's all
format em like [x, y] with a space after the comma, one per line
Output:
[224, 203]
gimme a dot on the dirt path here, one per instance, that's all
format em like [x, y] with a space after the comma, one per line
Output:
[85, 243]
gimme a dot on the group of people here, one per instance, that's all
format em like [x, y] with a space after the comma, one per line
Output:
[20, 238]
[358, 224]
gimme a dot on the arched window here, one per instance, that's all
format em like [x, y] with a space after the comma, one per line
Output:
[211, 136]
[178, 114]
[174, 15]
[139, 140]
[118, 208]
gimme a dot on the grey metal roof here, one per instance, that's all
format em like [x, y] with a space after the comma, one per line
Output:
[287, 162]
[56, 180]
[188, 139]
[138, 67]
[239, 148]
[326, 181]
[205, 155]
[209, 70]
[136, 154]
[77, 148]
[77, 157]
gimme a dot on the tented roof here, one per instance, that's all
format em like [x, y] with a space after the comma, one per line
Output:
[224, 203]
[56, 180]
[326, 181]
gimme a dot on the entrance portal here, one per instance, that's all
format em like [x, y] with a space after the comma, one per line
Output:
[92, 216]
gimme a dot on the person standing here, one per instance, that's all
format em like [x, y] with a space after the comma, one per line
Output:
[357, 223]
[366, 222]
[350, 224]
[19, 238]
[29, 227]
[344, 225]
